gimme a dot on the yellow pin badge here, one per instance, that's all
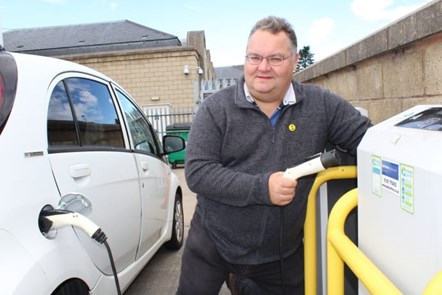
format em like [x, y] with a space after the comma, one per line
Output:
[292, 127]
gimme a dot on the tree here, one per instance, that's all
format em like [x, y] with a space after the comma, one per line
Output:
[306, 58]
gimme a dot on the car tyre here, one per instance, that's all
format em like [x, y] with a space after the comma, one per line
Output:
[72, 287]
[177, 238]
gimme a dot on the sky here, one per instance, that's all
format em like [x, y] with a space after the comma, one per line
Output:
[327, 26]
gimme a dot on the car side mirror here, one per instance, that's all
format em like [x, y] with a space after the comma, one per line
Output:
[172, 143]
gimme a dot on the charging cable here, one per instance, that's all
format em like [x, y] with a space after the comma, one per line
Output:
[312, 165]
[56, 218]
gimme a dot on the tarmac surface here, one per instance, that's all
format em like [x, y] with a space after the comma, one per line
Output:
[162, 273]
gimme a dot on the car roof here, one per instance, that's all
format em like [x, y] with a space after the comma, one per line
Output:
[50, 66]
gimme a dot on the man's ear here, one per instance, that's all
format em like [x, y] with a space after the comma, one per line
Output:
[295, 60]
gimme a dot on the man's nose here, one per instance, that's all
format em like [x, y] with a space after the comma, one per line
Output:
[264, 65]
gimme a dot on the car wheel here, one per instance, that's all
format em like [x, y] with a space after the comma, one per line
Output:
[72, 287]
[177, 238]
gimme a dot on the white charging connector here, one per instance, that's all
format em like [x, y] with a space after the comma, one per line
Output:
[316, 164]
[55, 219]
[74, 219]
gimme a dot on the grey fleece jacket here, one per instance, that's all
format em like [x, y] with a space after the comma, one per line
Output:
[233, 149]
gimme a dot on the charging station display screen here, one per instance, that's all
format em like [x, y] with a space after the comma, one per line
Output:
[430, 119]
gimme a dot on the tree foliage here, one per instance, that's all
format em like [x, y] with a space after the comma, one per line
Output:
[306, 58]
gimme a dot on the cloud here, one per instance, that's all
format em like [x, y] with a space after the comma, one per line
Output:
[55, 2]
[192, 8]
[381, 10]
[320, 30]
[113, 6]
[87, 97]
[320, 40]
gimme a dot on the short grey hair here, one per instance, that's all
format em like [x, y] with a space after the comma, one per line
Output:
[275, 25]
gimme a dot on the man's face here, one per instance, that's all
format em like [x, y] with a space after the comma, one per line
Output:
[266, 82]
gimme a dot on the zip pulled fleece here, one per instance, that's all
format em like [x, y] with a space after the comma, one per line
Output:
[232, 151]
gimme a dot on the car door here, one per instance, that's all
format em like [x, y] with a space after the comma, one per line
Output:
[153, 171]
[88, 153]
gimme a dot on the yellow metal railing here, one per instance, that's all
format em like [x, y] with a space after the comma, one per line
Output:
[341, 172]
[341, 249]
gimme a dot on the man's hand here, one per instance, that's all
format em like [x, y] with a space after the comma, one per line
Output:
[281, 189]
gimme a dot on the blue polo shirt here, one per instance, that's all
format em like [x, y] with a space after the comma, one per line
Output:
[289, 99]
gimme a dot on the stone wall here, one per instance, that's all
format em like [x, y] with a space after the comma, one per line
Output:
[391, 70]
[152, 77]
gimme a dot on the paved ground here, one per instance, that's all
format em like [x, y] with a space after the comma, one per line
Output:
[161, 274]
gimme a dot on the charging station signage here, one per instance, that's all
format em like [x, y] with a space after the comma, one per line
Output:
[390, 177]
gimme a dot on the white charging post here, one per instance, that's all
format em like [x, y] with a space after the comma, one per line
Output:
[399, 197]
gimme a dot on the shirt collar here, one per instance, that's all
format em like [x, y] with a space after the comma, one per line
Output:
[289, 97]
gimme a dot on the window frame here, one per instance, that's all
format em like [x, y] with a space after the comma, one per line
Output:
[158, 146]
[119, 115]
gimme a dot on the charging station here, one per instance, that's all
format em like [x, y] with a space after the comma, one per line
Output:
[400, 199]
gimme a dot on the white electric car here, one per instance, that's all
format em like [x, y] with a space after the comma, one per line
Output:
[72, 140]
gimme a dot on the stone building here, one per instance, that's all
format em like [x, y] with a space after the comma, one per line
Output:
[156, 68]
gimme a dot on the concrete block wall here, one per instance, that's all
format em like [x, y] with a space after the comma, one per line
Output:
[391, 70]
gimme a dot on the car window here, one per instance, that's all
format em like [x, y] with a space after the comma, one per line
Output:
[61, 125]
[8, 86]
[142, 136]
[82, 112]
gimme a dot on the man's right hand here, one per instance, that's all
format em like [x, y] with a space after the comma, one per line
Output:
[282, 190]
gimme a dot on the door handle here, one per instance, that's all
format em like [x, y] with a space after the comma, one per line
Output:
[80, 170]
[144, 166]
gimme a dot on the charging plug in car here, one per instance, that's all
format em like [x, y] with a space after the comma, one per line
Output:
[51, 219]
[57, 218]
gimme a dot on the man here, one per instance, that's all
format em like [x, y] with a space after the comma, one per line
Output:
[249, 219]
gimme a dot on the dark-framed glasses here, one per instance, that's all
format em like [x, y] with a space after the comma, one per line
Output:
[273, 60]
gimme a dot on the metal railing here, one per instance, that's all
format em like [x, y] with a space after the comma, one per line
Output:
[310, 244]
[160, 120]
[340, 250]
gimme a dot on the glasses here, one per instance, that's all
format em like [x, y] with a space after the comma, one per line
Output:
[273, 60]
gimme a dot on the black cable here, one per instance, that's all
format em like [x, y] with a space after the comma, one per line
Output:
[281, 254]
[114, 270]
